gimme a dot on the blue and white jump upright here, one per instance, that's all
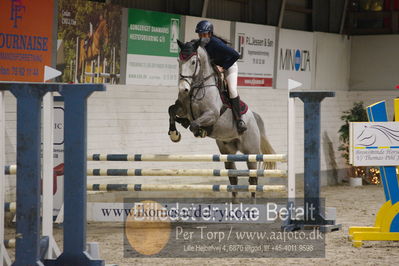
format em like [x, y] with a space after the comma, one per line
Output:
[28, 241]
[312, 101]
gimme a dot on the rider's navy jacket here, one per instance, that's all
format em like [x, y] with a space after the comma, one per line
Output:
[220, 53]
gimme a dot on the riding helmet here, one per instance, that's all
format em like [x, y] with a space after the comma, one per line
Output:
[204, 26]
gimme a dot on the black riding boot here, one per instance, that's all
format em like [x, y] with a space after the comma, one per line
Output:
[235, 104]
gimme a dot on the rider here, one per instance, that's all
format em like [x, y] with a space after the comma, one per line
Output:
[223, 56]
[89, 38]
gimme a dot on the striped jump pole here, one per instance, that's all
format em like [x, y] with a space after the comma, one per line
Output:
[9, 243]
[185, 172]
[189, 158]
[10, 206]
[12, 169]
[187, 188]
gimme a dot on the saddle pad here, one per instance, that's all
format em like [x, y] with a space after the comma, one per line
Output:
[226, 102]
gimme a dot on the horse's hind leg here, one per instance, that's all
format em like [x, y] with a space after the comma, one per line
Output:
[229, 148]
[250, 144]
[253, 180]
[233, 179]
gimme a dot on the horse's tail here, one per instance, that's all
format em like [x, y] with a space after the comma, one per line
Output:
[265, 146]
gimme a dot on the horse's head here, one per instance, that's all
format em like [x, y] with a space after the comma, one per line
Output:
[101, 33]
[367, 137]
[189, 65]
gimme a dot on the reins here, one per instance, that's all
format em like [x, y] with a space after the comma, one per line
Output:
[196, 88]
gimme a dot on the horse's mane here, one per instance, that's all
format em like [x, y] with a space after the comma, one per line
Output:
[204, 55]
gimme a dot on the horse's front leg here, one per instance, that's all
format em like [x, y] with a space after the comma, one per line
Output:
[176, 113]
[174, 135]
[207, 119]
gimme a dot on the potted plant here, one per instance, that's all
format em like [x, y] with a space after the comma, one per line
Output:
[356, 114]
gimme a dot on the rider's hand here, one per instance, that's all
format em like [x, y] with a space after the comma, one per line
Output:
[221, 69]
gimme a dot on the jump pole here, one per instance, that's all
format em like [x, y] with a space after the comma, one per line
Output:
[189, 158]
[10, 206]
[4, 258]
[12, 169]
[187, 188]
[186, 172]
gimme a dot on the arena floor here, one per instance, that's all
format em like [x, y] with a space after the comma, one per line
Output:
[355, 207]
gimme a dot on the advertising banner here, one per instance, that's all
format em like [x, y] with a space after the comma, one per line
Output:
[152, 48]
[374, 143]
[256, 44]
[89, 41]
[26, 29]
[295, 58]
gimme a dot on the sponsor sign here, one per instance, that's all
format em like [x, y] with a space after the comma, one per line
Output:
[152, 48]
[374, 143]
[295, 58]
[89, 41]
[26, 29]
[256, 44]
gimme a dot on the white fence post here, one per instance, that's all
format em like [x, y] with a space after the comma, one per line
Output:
[4, 258]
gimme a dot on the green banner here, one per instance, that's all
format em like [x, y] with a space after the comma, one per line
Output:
[153, 33]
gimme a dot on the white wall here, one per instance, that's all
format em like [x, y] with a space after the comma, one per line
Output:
[221, 28]
[332, 61]
[374, 62]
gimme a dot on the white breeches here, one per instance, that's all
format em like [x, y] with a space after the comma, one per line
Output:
[231, 77]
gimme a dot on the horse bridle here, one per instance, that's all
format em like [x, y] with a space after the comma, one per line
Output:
[201, 85]
[184, 78]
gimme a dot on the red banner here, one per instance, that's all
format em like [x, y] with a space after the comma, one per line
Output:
[254, 82]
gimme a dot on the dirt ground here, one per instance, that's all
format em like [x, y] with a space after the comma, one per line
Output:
[355, 207]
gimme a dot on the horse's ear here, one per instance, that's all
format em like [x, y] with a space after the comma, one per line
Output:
[196, 44]
[180, 44]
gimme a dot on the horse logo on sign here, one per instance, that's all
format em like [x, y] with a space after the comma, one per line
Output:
[373, 134]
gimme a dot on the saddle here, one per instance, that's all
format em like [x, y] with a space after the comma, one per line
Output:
[223, 87]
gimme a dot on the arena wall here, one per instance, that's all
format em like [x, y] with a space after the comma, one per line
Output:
[134, 119]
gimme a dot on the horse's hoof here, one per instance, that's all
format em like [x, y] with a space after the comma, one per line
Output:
[174, 136]
[202, 133]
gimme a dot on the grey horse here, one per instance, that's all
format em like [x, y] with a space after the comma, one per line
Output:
[199, 107]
